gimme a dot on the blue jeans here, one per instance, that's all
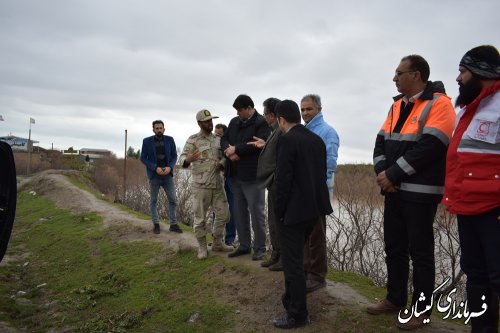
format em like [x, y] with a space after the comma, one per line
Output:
[167, 183]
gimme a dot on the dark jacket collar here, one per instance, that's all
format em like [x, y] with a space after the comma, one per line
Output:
[249, 121]
[430, 89]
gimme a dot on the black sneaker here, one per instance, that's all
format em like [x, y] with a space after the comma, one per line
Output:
[156, 229]
[175, 228]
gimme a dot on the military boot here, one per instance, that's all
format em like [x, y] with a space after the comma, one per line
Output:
[220, 246]
[202, 248]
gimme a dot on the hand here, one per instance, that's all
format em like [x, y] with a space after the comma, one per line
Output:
[234, 157]
[384, 183]
[193, 156]
[163, 171]
[257, 143]
[230, 150]
[392, 189]
[219, 166]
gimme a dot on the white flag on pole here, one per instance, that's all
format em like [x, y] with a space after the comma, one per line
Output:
[1, 118]
[32, 120]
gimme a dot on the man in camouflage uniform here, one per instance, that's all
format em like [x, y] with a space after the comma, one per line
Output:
[203, 153]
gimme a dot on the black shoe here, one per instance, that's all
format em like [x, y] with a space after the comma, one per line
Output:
[238, 252]
[175, 228]
[156, 230]
[258, 255]
[289, 322]
[276, 267]
[312, 285]
[269, 262]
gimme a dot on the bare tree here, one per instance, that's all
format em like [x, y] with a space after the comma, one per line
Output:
[355, 230]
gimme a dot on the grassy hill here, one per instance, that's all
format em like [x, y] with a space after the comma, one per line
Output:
[68, 271]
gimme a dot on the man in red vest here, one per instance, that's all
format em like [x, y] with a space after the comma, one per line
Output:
[472, 187]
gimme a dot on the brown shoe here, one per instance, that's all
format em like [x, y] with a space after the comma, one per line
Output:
[312, 285]
[413, 323]
[384, 306]
[221, 247]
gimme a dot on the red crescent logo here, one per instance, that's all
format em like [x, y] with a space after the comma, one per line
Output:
[484, 127]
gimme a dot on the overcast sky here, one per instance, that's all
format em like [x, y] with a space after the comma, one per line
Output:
[86, 70]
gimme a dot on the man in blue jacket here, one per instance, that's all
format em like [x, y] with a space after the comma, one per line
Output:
[159, 154]
[315, 258]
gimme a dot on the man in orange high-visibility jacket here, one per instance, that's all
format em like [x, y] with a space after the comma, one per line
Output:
[409, 160]
[472, 187]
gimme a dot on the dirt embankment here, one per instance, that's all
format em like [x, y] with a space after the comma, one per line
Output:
[256, 297]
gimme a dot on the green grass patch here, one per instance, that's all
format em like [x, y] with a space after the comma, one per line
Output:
[76, 276]
[362, 284]
[85, 183]
[353, 320]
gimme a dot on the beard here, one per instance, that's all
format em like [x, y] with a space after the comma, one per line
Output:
[468, 91]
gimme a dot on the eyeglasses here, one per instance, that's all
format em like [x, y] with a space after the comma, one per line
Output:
[398, 73]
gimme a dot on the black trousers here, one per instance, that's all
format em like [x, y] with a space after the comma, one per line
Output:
[408, 233]
[480, 261]
[480, 246]
[292, 238]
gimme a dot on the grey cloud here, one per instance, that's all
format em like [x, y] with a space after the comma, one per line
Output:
[89, 69]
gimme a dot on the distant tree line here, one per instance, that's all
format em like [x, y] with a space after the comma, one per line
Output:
[132, 153]
[355, 228]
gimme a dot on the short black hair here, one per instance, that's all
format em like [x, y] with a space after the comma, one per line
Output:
[158, 122]
[224, 127]
[289, 110]
[242, 101]
[270, 104]
[418, 63]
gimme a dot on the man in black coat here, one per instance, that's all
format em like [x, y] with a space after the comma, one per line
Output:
[249, 197]
[301, 197]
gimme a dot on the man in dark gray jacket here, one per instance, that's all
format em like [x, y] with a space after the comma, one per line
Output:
[265, 177]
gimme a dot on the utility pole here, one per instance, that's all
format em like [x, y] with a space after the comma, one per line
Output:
[125, 169]
[30, 148]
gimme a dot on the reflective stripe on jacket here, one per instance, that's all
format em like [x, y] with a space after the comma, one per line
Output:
[414, 158]
[473, 160]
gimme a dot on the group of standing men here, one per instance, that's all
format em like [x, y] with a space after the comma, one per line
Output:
[418, 146]
[423, 151]
[295, 163]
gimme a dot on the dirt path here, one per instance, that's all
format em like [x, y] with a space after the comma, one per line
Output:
[256, 297]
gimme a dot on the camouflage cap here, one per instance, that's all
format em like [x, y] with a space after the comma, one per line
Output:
[204, 115]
